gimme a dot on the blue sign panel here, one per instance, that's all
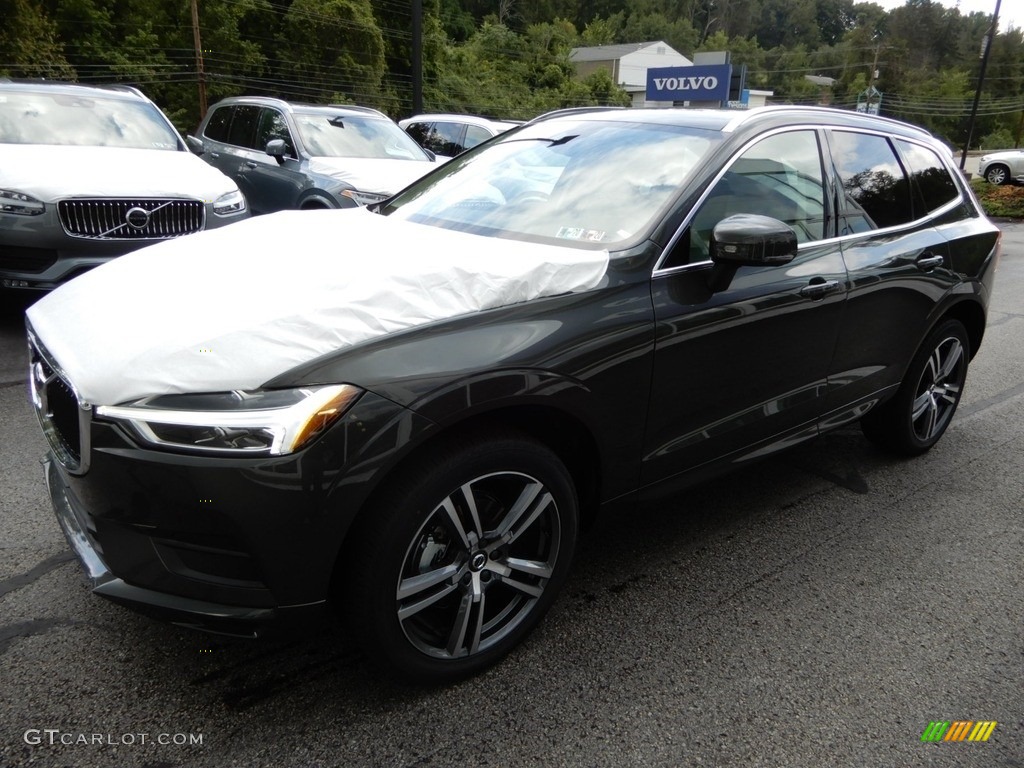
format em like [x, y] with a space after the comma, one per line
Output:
[709, 83]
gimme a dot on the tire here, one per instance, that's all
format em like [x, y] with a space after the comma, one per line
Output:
[461, 557]
[914, 420]
[997, 174]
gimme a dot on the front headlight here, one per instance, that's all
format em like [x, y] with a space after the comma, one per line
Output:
[257, 423]
[363, 198]
[19, 204]
[229, 204]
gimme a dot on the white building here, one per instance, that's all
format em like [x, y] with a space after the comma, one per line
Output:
[628, 64]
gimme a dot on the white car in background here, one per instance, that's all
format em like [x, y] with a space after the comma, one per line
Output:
[88, 173]
[450, 135]
[1002, 167]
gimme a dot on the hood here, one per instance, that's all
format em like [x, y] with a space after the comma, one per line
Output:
[368, 174]
[50, 173]
[234, 307]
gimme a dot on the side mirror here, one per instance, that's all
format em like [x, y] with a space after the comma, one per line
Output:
[748, 240]
[195, 146]
[278, 149]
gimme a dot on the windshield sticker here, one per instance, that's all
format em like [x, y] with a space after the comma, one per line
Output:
[578, 233]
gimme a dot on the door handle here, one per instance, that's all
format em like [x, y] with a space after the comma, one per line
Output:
[818, 290]
[215, 155]
[928, 261]
[249, 164]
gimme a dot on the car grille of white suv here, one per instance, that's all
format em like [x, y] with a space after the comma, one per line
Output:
[125, 219]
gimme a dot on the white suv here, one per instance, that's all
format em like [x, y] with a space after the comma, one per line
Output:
[450, 135]
[90, 173]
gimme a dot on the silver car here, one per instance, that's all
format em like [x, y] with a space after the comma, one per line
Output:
[1002, 167]
[89, 173]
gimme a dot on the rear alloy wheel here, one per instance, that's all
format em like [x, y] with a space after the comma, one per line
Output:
[997, 174]
[462, 557]
[915, 419]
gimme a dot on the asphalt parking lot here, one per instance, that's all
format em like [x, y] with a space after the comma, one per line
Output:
[819, 609]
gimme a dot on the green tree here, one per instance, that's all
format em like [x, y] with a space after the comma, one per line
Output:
[335, 46]
[30, 45]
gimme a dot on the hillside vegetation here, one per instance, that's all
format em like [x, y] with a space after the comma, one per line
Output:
[510, 58]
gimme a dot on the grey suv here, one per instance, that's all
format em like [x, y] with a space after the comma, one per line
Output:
[285, 155]
[89, 173]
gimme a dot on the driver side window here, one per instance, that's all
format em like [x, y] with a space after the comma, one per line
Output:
[780, 177]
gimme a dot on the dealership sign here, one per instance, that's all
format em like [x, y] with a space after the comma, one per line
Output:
[689, 83]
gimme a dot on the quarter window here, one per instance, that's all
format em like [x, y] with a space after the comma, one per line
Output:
[876, 187]
[933, 187]
[475, 135]
[780, 177]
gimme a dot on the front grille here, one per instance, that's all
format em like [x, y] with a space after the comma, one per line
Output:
[21, 259]
[131, 219]
[64, 418]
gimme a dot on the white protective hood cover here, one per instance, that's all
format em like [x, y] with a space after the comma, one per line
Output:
[50, 173]
[383, 176]
[232, 308]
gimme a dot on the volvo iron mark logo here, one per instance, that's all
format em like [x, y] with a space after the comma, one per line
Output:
[137, 218]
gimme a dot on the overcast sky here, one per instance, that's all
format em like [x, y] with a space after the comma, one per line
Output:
[1011, 12]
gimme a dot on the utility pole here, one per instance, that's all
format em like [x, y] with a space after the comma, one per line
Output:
[986, 46]
[199, 59]
[417, 56]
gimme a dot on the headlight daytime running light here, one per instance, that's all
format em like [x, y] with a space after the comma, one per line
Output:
[19, 204]
[229, 204]
[257, 423]
[363, 198]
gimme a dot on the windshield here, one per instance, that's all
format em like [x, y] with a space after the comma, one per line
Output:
[42, 117]
[581, 183]
[326, 135]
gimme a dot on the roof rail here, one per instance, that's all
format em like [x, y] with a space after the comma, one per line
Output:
[355, 108]
[571, 111]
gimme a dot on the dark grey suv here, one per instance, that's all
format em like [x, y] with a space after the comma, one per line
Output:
[415, 416]
[302, 156]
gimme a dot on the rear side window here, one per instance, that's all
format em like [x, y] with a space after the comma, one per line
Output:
[217, 127]
[933, 187]
[242, 132]
[446, 139]
[877, 189]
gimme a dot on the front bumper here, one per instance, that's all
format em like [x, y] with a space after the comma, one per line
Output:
[232, 546]
[239, 621]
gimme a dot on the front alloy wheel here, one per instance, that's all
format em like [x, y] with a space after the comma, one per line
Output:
[478, 565]
[918, 415]
[462, 556]
[997, 174]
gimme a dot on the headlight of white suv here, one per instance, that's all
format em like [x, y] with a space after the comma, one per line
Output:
[255, 423]
[19, 204]
[229, 204]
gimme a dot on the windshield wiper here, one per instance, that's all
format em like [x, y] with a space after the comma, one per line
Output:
[551, 142]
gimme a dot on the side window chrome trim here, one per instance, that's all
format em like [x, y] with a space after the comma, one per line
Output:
[659, 272]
